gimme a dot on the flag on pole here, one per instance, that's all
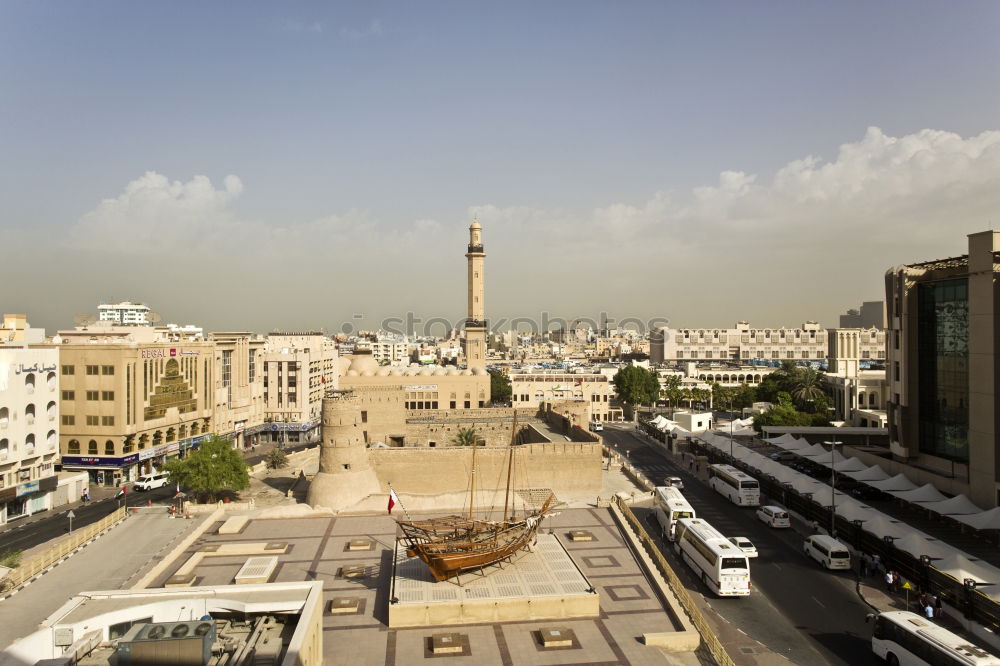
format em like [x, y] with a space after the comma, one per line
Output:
[178, 489]
[124, 489]
[393, 499]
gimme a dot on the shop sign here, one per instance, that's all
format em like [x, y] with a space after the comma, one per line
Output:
[100, 461]
[28, 488]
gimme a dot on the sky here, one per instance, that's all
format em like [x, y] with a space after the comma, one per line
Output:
[302, 165]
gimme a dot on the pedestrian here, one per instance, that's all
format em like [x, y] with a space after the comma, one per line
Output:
[938, 608]
[888, 580]
[876, 563]
[815, 527]
[86, 495]
[922, 601]
[929, 611]
[863, 564]
[895, 581]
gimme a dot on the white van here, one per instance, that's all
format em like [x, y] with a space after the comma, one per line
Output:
[774, 516]
[827, 551]
[151, 481]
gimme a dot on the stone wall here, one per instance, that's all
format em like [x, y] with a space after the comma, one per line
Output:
[438, 428]
[568, 468]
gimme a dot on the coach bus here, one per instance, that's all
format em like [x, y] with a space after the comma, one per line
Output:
[722, 566]
[739, 488]
[902, 638]
[671, 507]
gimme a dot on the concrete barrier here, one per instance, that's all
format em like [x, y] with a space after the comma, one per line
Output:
[184, 544]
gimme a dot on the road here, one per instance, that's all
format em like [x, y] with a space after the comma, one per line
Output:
[31, 534]
[796, 608]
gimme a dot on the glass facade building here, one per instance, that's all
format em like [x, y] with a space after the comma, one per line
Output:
[943, 350]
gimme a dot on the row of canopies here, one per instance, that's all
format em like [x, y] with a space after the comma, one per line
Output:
[945, 558]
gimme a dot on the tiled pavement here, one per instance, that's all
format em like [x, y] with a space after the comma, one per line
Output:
[318, 549]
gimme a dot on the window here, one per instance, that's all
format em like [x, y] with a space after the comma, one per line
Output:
[93, 395]
[69, 369]
[68, 419]
[4, 447]
[109, 448]
[91, 369]
[253, 367]
[107, 369]
[895, 370]
[92, 447]
[69, 395]
[171, 434]
[107, 420]
[107, 395]
[52, 439]
[73, 446]
[227, 367]
[91, 420]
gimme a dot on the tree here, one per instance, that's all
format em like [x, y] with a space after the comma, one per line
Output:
[806, 385]
[637, 385]
[722, 396]
[671, 391]
[215, 466]
[745, 396]
[466, 437]
[500, 386]
[276, 459]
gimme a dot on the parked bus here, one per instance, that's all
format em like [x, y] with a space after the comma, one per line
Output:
[722, 566]
[902, 638]
[671, 507]
[733, 484]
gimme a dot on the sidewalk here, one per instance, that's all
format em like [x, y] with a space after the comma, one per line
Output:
[97, 493]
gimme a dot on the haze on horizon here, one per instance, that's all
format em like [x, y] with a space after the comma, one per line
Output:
[289, 166]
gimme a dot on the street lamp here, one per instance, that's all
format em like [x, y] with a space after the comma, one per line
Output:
[833, 487]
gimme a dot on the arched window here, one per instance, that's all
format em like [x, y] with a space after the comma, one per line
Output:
[4, 417]
[73, 447]
[182, 432]
[29, 443]
[171, 434]
[29, 414]
[157, 438]
[92, 447]
[50, 381]
[143, 440]
[109, 448]
[872, 400]
[52, 440]
[204, 427]
[50, 410]
[4, 447]
[29, 382]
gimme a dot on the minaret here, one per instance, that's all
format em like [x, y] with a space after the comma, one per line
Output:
[475, 325]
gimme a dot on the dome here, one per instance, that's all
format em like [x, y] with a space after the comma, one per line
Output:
[363, 364]
[382, 372]
[367, 373]
[345, 364]
[475, 224]
[479, 371]
[395, 372]
[452, 370]
[466, 372]
[352, 373]
[426, 372]
[440, 371]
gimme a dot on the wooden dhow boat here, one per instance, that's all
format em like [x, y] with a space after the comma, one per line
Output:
[452, 545]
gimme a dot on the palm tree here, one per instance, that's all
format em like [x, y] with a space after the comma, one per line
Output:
[806, 385]
[466, 437]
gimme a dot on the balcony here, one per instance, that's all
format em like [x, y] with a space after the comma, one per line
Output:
[475, 249]
[475, 323]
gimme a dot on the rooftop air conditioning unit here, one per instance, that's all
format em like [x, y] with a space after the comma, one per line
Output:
[167, 644]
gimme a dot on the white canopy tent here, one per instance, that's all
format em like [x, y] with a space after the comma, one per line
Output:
[787, 441]
[813, 451]
[823, 496]
[960, 567]
[925, 493]
[898, 482]
[850, 465]
[786, 474]
[918, 543]
[987, 520]
[873, 473]
[806, 484]
[956, 506]
[824, 460]
[851, 509]
[882, 526]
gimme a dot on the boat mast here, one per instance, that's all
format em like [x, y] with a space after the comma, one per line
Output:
[472, 488]
[510, 464]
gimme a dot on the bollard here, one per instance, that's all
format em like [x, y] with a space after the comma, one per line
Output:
[149, 503]
[135, 509]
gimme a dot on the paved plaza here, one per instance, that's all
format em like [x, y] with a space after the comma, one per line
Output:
[320, 548]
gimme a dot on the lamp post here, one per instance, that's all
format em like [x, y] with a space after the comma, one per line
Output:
[833, 487]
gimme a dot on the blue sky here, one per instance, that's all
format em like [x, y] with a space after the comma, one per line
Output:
[591, 138]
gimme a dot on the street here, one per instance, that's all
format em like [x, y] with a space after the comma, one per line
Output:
[796, 608]
[56, 523]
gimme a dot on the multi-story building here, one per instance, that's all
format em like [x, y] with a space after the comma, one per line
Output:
[125, 313]
[859, 393]
[29, 426]
[532, 388]
[871, 315]
[742, 344]
[297, 368]
[17, 330]
[130, 397]
[389, 351]
[943, 369]
[238, 407]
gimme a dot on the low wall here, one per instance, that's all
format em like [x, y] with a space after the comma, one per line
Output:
[566, 468]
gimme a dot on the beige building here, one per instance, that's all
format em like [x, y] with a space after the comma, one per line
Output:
[297, 367]
[943, 369]
[533, 388]
[859, 395]
[130, 397]
[743, 343]
[238, 406]
[29, 425]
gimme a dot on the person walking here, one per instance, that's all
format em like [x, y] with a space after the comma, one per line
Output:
[864, 564]
[938, 609]
[929, 611]
[86, 495]
[888, 580]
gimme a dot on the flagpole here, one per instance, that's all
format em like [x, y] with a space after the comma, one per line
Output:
[400, 502]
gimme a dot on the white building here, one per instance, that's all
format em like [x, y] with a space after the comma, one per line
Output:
[125, 313]
[298, 368]
[29, 430]
[532, 387]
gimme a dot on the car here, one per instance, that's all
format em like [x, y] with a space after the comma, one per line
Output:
[151, 481]
[745, 545]
[782, 456]
[596, 426]
[674, 481]
[774, 516]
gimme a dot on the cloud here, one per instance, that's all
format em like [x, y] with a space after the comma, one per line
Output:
[802, 243]
[372, 30]
[293, 25]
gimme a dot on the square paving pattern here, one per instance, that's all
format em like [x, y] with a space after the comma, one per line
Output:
[359, 633]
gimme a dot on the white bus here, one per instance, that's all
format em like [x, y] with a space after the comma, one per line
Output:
[671, 507]
[902, 638]
[738, 487]
[723, 567]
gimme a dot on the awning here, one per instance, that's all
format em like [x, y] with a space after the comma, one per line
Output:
[956, 506]
[925, 493]
[987, 520]
[898, 482]
[873, 473]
